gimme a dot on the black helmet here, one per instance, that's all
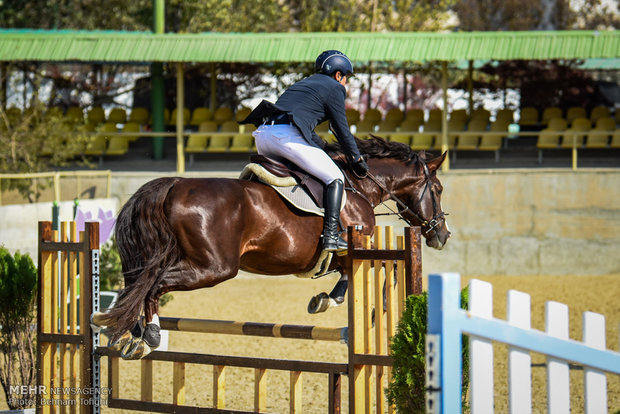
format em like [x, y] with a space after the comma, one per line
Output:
[331, 61]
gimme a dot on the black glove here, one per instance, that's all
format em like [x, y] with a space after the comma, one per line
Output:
[359, 167]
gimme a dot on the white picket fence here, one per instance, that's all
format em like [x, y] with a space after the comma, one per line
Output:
[447, 322]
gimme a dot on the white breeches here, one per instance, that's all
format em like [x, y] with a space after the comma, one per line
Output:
[285, 141]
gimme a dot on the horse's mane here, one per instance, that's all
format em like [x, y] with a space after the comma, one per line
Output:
[377, 147]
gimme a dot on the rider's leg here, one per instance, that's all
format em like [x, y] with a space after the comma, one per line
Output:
[285, 141]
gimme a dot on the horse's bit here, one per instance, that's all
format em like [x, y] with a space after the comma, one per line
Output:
[426, 225]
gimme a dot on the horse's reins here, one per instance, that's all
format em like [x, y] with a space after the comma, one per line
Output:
[429, 225]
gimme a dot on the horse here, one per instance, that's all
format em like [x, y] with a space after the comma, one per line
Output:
[179, 234]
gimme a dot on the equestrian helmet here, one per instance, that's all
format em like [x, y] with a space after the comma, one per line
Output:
[331, 61]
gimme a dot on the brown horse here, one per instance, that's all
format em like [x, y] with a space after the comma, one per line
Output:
[190, 233]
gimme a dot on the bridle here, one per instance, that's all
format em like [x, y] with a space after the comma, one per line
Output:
[427, 225]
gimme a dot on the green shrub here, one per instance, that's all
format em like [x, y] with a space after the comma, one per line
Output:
[18, 289]
[407, 389]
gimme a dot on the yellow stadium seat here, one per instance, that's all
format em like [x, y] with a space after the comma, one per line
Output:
[615, 139]
[117, 116]
[459, 115]
[402, 137]
[431, 130]
[435, 114]
[220, 141]
[577, 133]
[353, 116]
[200, 115]
[386, 128]
[492, 140]
[117, 146]
[549, 113]
[468, 141]
[575, 112]
[139, 115]
[415, 115]
[172, 121]
[197, 143]
[221, 115]
[243, 141]
[373, 115]
[505, 115]
[242, 113]
[131, 127]
[599, 112]
[599, 135]
[95, 115]
[421, 142]
[74, 115]
[549, 138]
[364, 127]
[395, 116]
[481, 114]
[528, 116]
[411, 124]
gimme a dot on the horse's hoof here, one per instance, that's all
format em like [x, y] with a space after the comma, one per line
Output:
[319, 303]
[151, 335]
[121, 342]
[137, 349]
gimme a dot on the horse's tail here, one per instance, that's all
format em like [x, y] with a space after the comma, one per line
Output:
[147, 247]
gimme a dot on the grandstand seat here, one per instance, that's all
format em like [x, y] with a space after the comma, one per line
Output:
[197, 142]
[528, 116]
[364, 127]
[199, 115]
[435, 114]
[421, 141]
[172, 121]
[575, 112]
[372, 115]
[415, 115]
[549, 137]
[599, 135]
[117, 116]
[550, 113]
[386, 128]
[222, 114]
[220, 141]
[95, 115]
[505, 115]
[468, 141]
[322, 130]
[582, 125]
[242, 113]
[459, 115]
[395, 116]
[131, 127]
[599, 112]
[411, 124]
[615, 139]
[139, 115]
[117, 146]
[353, 116]
[402, 137]
[96, 146]
[74, 115]
[492, 140]
[431, 132]
[53, 112]
[243, 141]
[481, 114]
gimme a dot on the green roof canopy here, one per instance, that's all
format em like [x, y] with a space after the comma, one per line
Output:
[146, 47]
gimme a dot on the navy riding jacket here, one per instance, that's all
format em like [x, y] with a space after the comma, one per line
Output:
[307, 103]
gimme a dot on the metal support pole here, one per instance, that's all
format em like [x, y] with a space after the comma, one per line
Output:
[157, 84]
[445, 166]
[180, 120]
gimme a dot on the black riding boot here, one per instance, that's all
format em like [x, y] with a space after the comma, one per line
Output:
[333, 197]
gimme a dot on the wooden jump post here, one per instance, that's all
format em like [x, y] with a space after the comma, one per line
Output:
[397, 266]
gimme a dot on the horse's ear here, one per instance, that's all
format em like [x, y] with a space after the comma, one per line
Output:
[435, 163]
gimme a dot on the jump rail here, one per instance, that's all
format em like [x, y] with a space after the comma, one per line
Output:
[368, 365]
[447, 322]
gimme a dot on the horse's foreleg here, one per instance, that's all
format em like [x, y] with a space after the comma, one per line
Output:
[323, 301]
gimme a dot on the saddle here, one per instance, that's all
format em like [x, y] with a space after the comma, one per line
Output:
[307, 182]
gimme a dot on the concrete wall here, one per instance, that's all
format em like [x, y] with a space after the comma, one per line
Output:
[536, 222]
[511, 222]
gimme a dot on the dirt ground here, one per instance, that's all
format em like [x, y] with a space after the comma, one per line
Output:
[284, 300]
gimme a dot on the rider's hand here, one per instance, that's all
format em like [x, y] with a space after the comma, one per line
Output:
[360, 168]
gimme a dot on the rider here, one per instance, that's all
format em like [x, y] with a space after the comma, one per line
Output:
[286, 130]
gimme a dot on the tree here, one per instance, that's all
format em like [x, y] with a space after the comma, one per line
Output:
[18, 287]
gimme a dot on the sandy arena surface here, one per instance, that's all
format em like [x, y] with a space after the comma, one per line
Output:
[284, 300]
